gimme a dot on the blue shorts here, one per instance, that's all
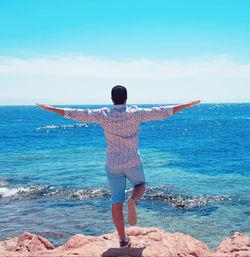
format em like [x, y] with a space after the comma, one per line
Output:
[117, 181]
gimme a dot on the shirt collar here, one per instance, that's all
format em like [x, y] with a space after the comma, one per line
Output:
[120, 106]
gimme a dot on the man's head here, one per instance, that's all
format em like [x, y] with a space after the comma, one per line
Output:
[119, 95]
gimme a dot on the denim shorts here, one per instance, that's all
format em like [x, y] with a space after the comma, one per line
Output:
[117, 181]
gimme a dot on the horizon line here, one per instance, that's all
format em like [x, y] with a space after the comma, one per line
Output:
[103, 104]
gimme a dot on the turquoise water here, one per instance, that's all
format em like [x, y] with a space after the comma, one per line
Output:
[52, 177]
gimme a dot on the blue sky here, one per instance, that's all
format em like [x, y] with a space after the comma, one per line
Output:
[208, 41]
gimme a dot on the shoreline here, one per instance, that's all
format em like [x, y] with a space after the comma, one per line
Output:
[149, 241]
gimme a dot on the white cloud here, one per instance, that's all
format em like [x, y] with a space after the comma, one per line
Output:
[91, 67]
[84, 79]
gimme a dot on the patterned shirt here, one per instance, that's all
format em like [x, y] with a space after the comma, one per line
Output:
[121, 128]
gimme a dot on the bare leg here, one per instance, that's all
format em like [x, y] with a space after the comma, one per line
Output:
[117, 214]
[138, 192]
[131, 203]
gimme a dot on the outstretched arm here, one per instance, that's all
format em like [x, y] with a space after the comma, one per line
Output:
[162, 112]
[180, 107]
[59, 111]
[83, 115]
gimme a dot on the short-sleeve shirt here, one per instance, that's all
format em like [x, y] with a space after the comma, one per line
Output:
[121, 126]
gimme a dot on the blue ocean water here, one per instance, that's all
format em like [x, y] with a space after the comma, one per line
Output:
[53, 183]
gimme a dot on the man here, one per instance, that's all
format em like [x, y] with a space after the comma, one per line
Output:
[121, 128]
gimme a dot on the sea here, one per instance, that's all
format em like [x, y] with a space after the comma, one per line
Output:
[197, 167]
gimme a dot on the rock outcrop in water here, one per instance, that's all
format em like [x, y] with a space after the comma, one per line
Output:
[145, 242]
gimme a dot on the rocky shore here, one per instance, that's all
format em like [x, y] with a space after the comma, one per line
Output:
[151, 242]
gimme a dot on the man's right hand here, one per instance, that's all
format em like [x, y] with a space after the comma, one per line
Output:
[180, 107]
[191, 104]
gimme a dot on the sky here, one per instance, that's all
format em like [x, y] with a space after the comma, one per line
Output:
[163, 51]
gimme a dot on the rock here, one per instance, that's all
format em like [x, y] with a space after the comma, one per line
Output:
[159, 243]
[9, 244]
[237, 245]
[31, 243]
[75, 242]
[145, 242]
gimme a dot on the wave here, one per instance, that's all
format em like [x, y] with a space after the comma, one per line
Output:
[55, 127]
[158, 193]
[241, 118]
[6, 192]
[3, 182]
[182, 201]
[36, 192]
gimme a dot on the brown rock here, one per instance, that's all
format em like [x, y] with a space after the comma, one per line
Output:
[75, 242]
[159, 243]
[9, 244]
[237, 245]
[145, 242]
[31, 243]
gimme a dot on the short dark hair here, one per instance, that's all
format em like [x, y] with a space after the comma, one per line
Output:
[119, 94]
